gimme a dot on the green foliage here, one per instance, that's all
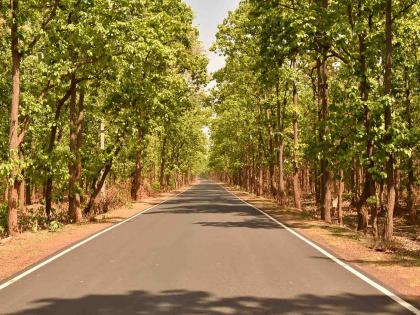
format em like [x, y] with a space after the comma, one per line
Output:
[155, 186]
[371, 201]
[3, 218]
[54, 226]
[312, 92]
[136, 66]
[270, 45]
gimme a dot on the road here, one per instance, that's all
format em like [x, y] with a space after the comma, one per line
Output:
[203, 252]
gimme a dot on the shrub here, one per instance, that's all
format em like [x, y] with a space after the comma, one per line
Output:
[54, 226]
[3, 219]
[117, 195]
[33, 219]
[155, 186]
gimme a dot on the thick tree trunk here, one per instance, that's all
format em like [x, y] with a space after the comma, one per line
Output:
[389, 217]
[75, 165]
[13, 189]
[137, 174]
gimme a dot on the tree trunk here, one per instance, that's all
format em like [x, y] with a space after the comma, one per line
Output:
[397, 178]
[296, 183]
[136, 183]
[368, 185]
[317, 184]
[75, 165]
[375, 213]
[28, 196]
[411, 191]
[98, 184]
[48, 187]
[97, 189]
[162, 164]
[272, 181]
[325, 172]
[389, 217]
[13, 189]
[260, 181]
[340, 198]
[280, 159]
[326, 189]
[22, 195]
[48, 196]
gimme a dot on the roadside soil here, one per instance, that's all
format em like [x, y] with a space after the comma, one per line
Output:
[399, 271]
[18, 253]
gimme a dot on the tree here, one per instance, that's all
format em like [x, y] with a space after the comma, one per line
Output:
[323, 66]
[135, 67]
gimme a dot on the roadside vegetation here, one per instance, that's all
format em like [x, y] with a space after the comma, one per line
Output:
[318, 107]
[100, 103]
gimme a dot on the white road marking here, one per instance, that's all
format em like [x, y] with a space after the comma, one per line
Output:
[358, 274]
[73, 247]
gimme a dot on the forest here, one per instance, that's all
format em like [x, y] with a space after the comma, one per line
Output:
[94, 94]
[209, 157]
[318, 108]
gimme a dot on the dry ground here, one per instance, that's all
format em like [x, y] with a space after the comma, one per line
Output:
[400, 271]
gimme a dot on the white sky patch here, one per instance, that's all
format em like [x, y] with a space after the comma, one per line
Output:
[208, 15]
[206, 131]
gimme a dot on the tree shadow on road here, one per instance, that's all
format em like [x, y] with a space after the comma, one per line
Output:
[214, 208]
[200, 302]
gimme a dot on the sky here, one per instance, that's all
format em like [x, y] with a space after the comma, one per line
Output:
[208, 15]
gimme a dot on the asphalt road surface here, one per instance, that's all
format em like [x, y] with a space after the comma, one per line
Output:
[203, 252]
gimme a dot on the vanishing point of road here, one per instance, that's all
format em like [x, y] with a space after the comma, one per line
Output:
[202, 252]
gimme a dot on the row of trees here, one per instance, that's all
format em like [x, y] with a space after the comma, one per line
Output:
[94, 89]
[321, 99]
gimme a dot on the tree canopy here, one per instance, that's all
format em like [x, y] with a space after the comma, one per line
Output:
[96, 91]
[321, 99]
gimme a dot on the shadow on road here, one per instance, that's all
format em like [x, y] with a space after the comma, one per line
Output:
[209, 198]
[255, 223]
[199, 302]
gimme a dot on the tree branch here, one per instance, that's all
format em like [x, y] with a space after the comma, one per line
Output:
[45, 21]
[403, 10]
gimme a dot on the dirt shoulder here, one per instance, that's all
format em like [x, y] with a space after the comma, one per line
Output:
[399, 272]
[17, 254]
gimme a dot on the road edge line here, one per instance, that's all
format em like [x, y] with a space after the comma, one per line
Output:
[82, 242]
[337, 260]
